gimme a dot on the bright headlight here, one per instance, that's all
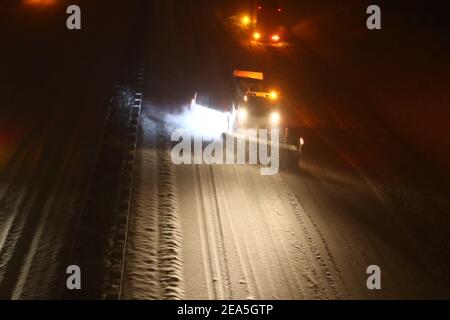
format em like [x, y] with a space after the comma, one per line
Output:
[275, 118]
[242, 115]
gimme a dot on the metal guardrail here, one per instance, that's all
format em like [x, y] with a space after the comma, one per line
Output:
[115, 273]
[135, 116]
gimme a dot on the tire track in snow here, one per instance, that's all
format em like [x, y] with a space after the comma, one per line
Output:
[278, 253]
[14, 214]
[41, 225]
[244, 259]
[208, 264]
[261, 245]
[44, 243]
[12, 193]
[153, 265]
[141, 261]
[169, 251]
[26, 230]
[265, 201]
[227, 290]
[301, 213]
[211, 226]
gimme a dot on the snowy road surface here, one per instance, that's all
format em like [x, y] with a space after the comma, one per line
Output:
[364, 196]
[227, 232]
[306, 234]
[246, 236]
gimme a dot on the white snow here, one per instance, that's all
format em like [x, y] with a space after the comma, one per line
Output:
[153, 257]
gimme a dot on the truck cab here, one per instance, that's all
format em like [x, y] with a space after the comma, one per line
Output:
[256, 105]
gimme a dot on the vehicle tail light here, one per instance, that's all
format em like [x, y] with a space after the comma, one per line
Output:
[275, 38]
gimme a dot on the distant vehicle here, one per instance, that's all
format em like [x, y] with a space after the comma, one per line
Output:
[269, 25]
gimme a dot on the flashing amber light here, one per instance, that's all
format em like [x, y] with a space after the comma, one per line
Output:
[245, 20]
[273, 95]
[256, 35]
